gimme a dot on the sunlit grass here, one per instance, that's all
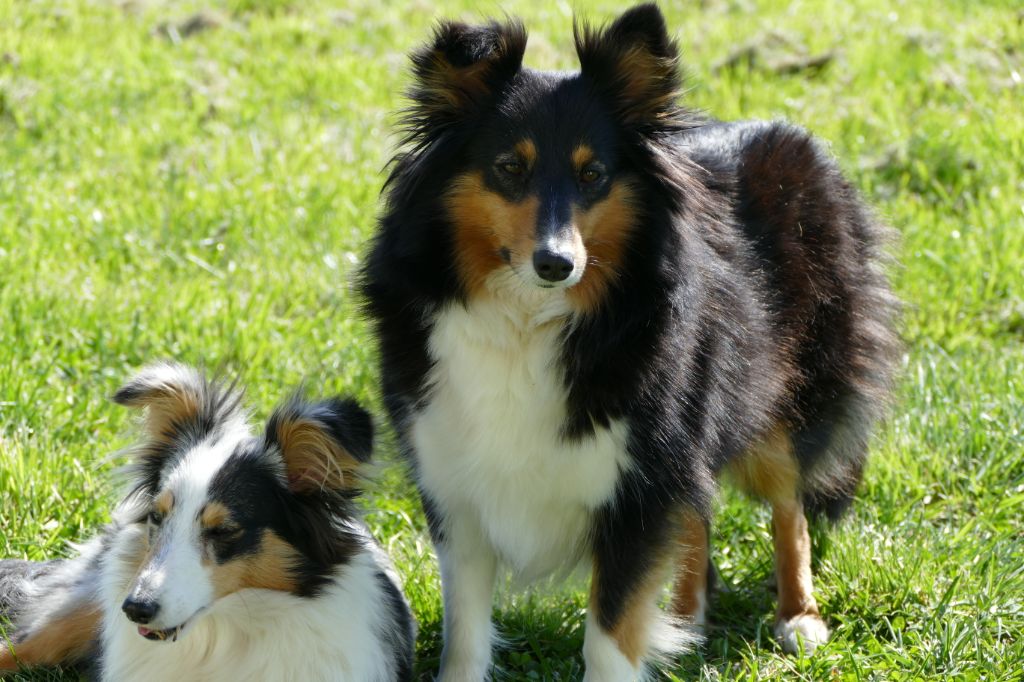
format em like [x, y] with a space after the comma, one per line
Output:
[206, 196]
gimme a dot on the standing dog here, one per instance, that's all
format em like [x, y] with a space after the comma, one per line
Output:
[590, 304]
[234, 556]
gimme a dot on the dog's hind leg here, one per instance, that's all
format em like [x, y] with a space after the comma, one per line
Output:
[54, 608]
[770, 471]
[66, 638]
[797, 621]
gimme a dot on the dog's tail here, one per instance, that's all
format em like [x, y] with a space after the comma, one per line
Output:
[50, 611]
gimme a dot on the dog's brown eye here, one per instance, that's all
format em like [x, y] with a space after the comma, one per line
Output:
[155, 518]
[590, 175]
[512, 167]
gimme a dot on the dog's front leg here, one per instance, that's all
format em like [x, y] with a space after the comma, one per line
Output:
[633, 557]
[468, 566]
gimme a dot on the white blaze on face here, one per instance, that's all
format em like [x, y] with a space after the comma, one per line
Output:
[178, 572]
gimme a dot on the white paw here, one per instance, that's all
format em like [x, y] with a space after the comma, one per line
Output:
[604, 661]
[803, 633]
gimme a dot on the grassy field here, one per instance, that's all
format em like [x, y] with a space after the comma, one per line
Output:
[197, 181]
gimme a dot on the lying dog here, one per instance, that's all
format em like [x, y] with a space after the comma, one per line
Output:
[592, 303]
[234, 556]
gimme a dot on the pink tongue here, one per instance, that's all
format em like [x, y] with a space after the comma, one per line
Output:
[144, 631]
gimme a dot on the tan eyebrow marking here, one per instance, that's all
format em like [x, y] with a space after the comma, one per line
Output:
[164, 502]
[527, 151]
[214, 514]
[582, 155]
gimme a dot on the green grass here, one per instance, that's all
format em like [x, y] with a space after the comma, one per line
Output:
[206, 197]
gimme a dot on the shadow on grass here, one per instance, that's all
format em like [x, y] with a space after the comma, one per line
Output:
[543, 636]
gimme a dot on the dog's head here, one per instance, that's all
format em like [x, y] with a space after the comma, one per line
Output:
[217, 509]
[542, 168]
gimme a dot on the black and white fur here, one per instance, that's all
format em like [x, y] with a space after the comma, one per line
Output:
[235, 554]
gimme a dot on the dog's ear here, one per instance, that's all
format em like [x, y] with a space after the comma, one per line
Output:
[323, 444]
[635, 63]
[178, 398]
[459, 70]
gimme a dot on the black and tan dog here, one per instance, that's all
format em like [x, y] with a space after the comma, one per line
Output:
[592, 303]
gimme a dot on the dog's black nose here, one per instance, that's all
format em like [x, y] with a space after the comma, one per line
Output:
[552, 266]
[140, 611]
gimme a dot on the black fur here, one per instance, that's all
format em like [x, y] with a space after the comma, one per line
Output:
[461, 70]
[341, 418]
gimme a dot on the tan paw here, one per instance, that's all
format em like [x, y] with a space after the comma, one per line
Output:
[803, 633]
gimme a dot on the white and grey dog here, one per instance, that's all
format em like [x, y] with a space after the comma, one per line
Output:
[233, 555]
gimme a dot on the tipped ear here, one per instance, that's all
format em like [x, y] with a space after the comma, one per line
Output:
[178, 398]
[322, 444]
[634, 62]
[462, 67]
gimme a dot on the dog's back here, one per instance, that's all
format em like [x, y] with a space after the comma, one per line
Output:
[816, 253]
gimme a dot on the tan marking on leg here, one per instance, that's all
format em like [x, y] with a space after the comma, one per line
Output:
[792, 560]
[632, 630]
[770, 471]
[690, 594]
[61, 641]
[798, 625]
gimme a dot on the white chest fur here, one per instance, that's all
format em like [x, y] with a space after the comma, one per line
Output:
[488, 441]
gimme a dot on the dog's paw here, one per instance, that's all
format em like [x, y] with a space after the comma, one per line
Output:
[803, 633]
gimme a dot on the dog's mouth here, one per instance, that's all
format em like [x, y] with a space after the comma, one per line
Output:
[165, 635]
